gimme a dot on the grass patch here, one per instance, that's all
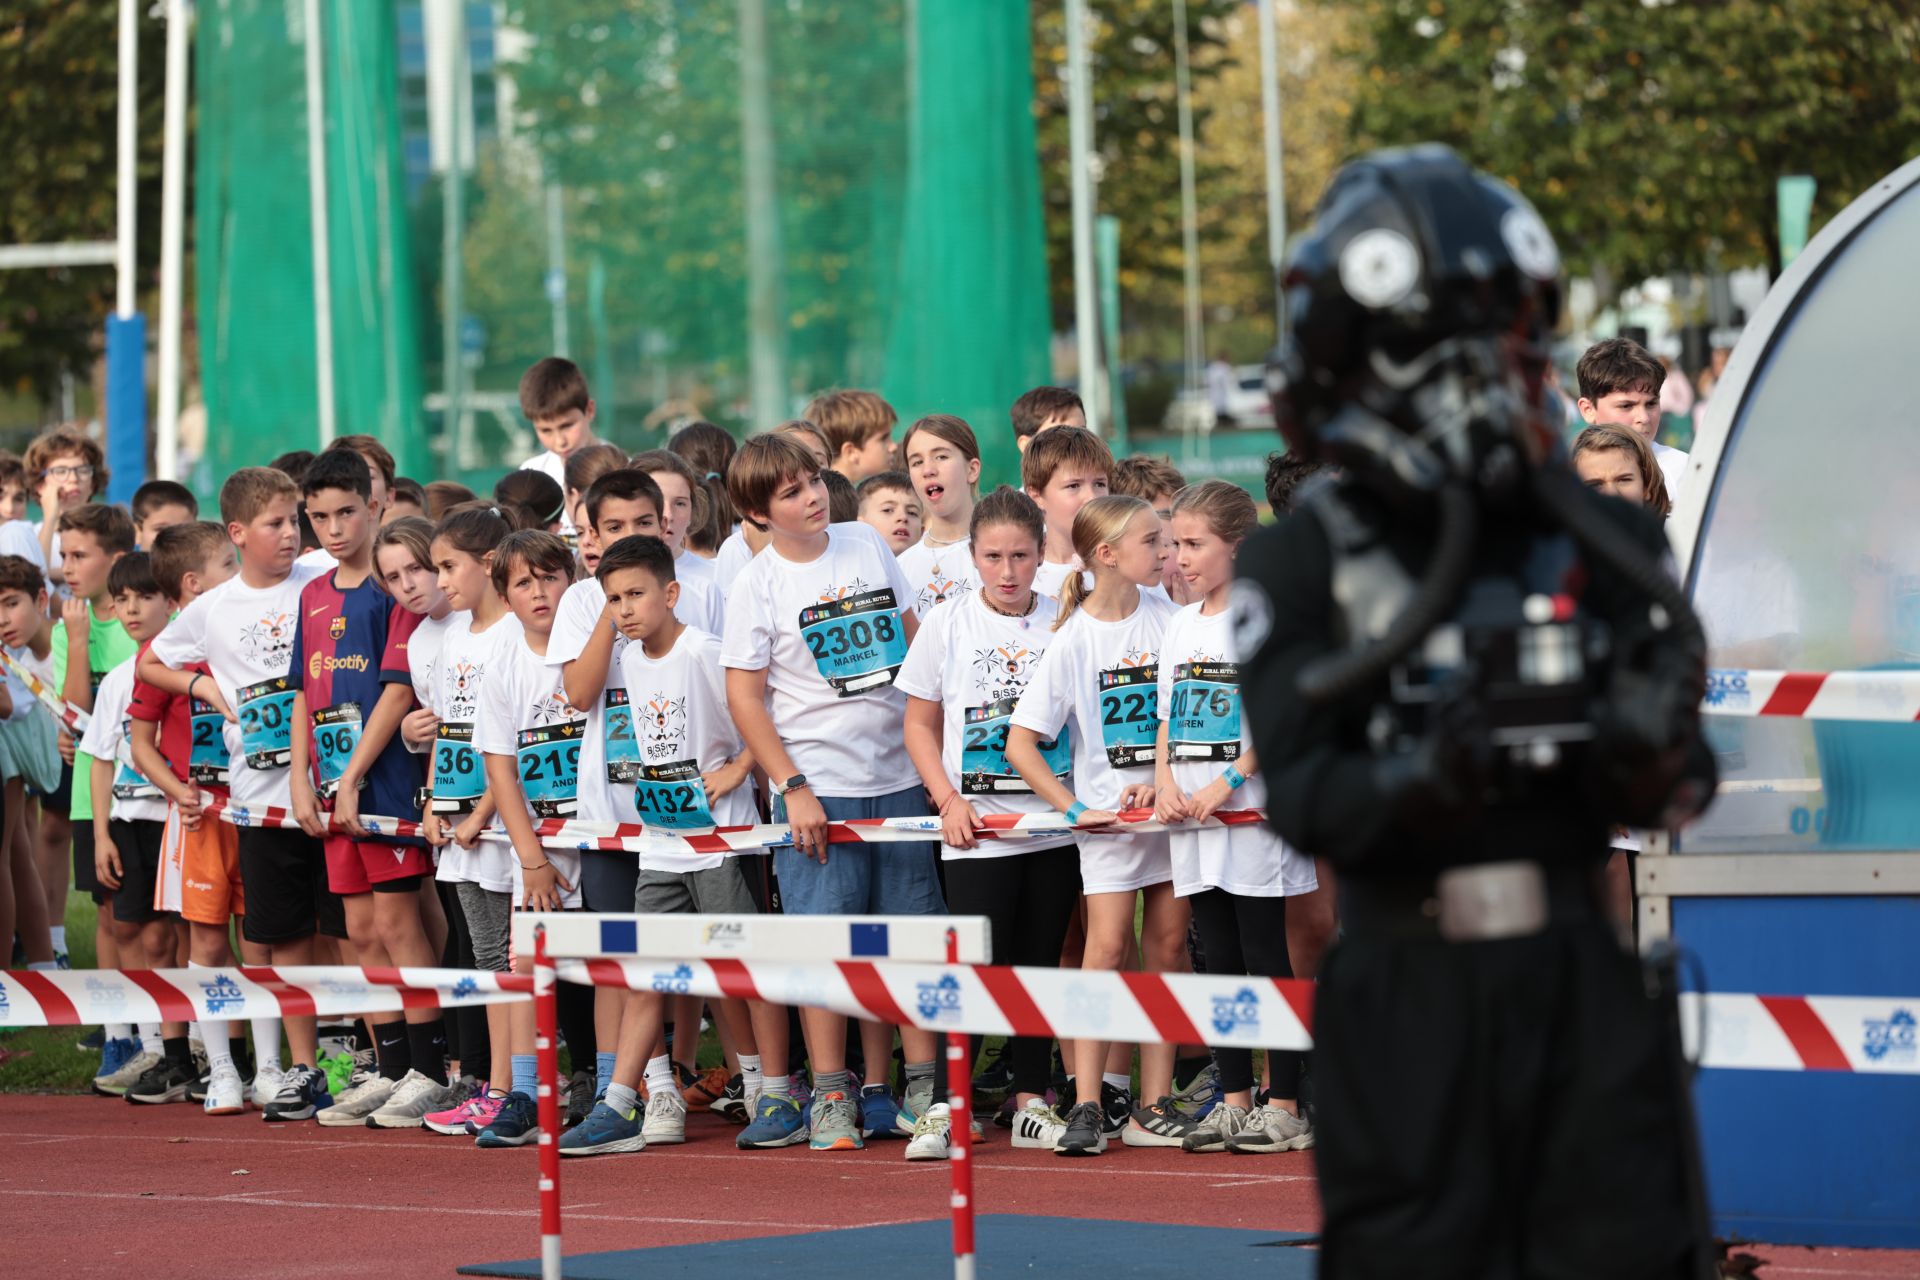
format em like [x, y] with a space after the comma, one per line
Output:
[46, 1059]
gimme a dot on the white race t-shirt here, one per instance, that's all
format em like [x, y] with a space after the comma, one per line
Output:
[423, 650]
[731, 560]
[606, 785]
[701, 604]
[680, 716]
[1206, 732]
[459, 775]
[555, 467]
[245, 636]
[524, 713]
[1100, 682]
[1052, 576]
[687, 566]
[976, 663]
[936, 574]
[828, 632]
[108, 738]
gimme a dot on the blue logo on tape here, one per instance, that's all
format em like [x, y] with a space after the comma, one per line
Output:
[939, 1001]
[1241, 1009]
[465, 989]
[223, 994]
[676, 983]
[1896, 1037]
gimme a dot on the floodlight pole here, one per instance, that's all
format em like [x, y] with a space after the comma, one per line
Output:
[1276, 179]
[1189, 212]
[173, 235]
[1086, 313]
[317, 211]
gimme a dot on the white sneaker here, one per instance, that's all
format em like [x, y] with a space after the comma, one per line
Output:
[267, 1083]
[351, 1109]
[1221, 1124]
[411, 1101]
[1037, 1126]
[226, 1093]
[128, 1075]
[1271, 1130]
[666, 1120]
[932, 1134]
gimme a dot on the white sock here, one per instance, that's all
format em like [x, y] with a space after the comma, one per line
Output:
[118, 1031]
[660, 1075]
[216, 1037]
[266, 1044]
[1117, 1079]
[751, 1080]
[43, 966]
[150, 1041]
[59, 932]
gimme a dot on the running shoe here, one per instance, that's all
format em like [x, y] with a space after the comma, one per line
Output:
[342, 1072]
[1003, 1114]
[95, 1041]
[1085, 1132]
[579, 1099]
[1271, 1130]
[166, 1081]
[995, 1077]
[836, 1123]
[302, 1095]
[779, 1122]
[414, 1098]
[684, 1077]
[453, 1121]
[707, 1090]
[732, 1102]
[1117, 1104]
[666, 1119]
[351, 1109]
[1038, 1127]
[1213, 1133]
[266, 1086]
[515, 1125]
[129, 1074]
[880, 1114]
[113, 1059]
[1157, 1125]
[1200, 1095]
[604, 1132]
[931, 1138]
[226, 1093]
[197, 1091]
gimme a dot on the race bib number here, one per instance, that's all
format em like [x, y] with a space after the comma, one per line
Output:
[1129, 714]
[1204, 721]
[858, 643]
[983, 753]
[549, 762]
[336, 732]
[670, 795]
[128, 782]
[623, 747]
[458, 780]
[266, 724]
[207, 761]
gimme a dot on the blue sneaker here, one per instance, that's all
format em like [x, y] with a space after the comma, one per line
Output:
[778, 1123]
[114, 1055]
[517, 1124]
[604, 1132]
[95, 1041]
[880, 1114]
[303, 1094]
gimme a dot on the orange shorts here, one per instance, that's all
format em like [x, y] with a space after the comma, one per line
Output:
[358, 866]
[200, 871]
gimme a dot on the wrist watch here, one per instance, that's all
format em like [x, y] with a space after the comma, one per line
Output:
[797, 781]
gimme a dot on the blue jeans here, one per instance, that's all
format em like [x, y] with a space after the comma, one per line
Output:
[863, 879]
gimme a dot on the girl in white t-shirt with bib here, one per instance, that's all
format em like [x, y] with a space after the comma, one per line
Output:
[1237, 878]
[943, 462]
[1100, 683]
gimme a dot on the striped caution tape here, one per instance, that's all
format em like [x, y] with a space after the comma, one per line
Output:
[72, 997]
[1814, 695]
[71, 716]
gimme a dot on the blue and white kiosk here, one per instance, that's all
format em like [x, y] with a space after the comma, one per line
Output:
[1799, 531]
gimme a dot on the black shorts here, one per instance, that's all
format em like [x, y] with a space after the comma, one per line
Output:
[285, 876]
[138, 844]
[60, 799]
[85, 879]
[607, 881]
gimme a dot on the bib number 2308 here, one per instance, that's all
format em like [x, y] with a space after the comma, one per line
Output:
[857, 643]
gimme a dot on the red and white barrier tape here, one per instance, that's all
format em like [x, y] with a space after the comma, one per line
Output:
[73, 997]
[65, 712]
[1886, 696]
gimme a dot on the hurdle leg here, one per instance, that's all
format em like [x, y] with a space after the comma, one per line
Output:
[960, 1136]
[546, 1045]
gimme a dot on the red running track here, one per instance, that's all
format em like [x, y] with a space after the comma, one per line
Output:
[96, 1187]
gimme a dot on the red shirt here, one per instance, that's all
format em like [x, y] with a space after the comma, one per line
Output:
[178, 722]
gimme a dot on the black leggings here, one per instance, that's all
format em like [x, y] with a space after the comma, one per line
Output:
[1248, 935]
[467, 1038]
[1028, 899]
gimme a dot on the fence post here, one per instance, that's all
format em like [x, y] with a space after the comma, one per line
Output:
[960, 1135]
[546, 1046]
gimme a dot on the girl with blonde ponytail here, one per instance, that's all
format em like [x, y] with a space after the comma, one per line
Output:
[1099, 684]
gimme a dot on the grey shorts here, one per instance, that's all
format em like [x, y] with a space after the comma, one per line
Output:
[488, 914]
[719, 891]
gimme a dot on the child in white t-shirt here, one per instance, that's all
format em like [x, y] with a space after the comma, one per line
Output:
[553, 396]
[1101, 680]
[943, 463]
[1063, 470]
[683, 506]
[1237, 879]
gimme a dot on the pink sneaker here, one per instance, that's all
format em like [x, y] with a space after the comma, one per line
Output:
[477, 1112]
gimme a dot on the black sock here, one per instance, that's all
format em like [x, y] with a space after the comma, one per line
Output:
[362, 1038]
[179, 1051]
[427, 1042]
[1185, 1069]
[242, 1061]
[390, 1046]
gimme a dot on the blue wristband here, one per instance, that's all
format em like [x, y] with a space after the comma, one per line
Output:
[1235, 778]
[1074, 811]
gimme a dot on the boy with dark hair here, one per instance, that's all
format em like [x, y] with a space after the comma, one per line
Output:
[352, 687]
[889, 504]
[1286, 472]
[409, 498]
[380, 462]
[553, 396]
[1154, 480]
[66, 468]
[1062, 470]
[1620, 387]
[858, 426]
[245, 630]
[293, 464]
[1045, 407]
[161, 504]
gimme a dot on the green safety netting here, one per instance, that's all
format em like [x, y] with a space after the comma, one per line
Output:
[899, 246]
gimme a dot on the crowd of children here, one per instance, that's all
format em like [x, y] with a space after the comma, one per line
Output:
[820, 624]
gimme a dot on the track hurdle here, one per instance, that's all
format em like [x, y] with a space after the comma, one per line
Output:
[612, 949]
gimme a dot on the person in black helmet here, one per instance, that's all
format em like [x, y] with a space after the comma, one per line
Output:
[1466, 669]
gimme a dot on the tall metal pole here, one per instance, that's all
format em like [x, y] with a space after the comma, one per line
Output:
[1086, 304]
[317, 215]
[173, 234]
[453, 217]
[126, 202]
[1276, 183]
[766, 268]
[1195, 339]
[557, 267]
